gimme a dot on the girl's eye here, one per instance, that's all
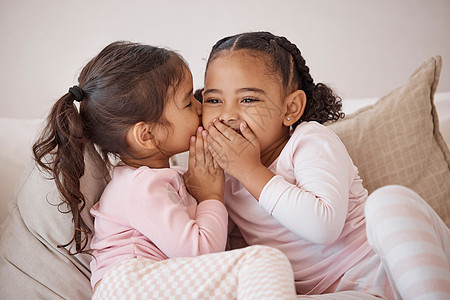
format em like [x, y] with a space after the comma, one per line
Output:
[212, 101]
[249, 100]
[190, 104]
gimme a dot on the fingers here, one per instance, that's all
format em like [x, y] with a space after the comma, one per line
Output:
[210, 160]
[199, 152]
[223, 131]
[224, 134]
[248, 133]
[214, 147]
[191, 160]
[226, 131]
[214, 134]
[208, 157]
[217, 159]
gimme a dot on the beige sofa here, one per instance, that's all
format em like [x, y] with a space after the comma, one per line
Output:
[393, 140]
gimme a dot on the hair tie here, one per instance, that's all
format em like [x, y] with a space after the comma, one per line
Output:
[77, 92]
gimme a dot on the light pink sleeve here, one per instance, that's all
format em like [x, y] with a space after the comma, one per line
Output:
[158, 210]
[315, 205]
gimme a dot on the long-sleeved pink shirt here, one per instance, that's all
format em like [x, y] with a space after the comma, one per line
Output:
[149, 213]
[312, 210]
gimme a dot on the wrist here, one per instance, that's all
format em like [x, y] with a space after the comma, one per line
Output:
[211, 196]
[256, 181]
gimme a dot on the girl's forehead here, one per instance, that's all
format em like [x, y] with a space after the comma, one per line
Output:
[251, 65]
[244, 56]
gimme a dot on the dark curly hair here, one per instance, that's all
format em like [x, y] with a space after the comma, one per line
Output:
[286, 60]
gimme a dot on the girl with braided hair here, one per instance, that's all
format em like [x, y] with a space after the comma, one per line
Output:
[290, 183]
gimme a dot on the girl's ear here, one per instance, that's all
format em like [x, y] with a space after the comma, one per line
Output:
[140, 138]
[295, 104]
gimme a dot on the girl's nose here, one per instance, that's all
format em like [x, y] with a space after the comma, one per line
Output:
[229, 116]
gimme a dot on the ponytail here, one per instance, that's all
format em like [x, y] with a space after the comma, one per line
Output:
[322, 106]
[59, 151]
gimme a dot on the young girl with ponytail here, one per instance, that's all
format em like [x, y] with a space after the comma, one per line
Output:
[291, 184]
[153, 222]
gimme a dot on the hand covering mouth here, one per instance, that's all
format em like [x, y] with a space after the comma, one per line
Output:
[237, 130]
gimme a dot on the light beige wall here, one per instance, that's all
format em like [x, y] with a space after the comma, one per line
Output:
[361, 48]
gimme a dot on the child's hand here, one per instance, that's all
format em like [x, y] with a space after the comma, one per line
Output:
[239, 155]
[204, 178]
[236, 154]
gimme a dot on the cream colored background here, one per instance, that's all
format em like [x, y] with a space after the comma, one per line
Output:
[362, 48]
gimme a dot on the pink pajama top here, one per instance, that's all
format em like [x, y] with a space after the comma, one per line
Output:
[149, 213]
[312, 210]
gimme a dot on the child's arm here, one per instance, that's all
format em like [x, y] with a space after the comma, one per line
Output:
[179, 228]
[315, 205]
[162, 210]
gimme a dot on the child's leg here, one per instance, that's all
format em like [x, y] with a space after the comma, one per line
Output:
[264, 273]
[255, 272]
[346, 295]
[412, 242]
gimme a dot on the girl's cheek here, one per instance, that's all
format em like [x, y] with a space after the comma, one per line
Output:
[206, 119]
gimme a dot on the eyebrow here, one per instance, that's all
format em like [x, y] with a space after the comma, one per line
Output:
[240, 90]
[249, 89]
[209, 91]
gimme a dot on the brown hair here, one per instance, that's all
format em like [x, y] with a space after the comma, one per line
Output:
[286, 60]
[124, 84]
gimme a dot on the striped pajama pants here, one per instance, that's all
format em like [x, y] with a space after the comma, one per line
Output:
[255, 272]
[412, 242]
[411, 252]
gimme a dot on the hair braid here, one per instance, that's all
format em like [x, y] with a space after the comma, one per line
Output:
[306, 81]
[322, 103]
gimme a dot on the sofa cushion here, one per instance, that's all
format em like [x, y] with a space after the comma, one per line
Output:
[397, 140]
[31, 264]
